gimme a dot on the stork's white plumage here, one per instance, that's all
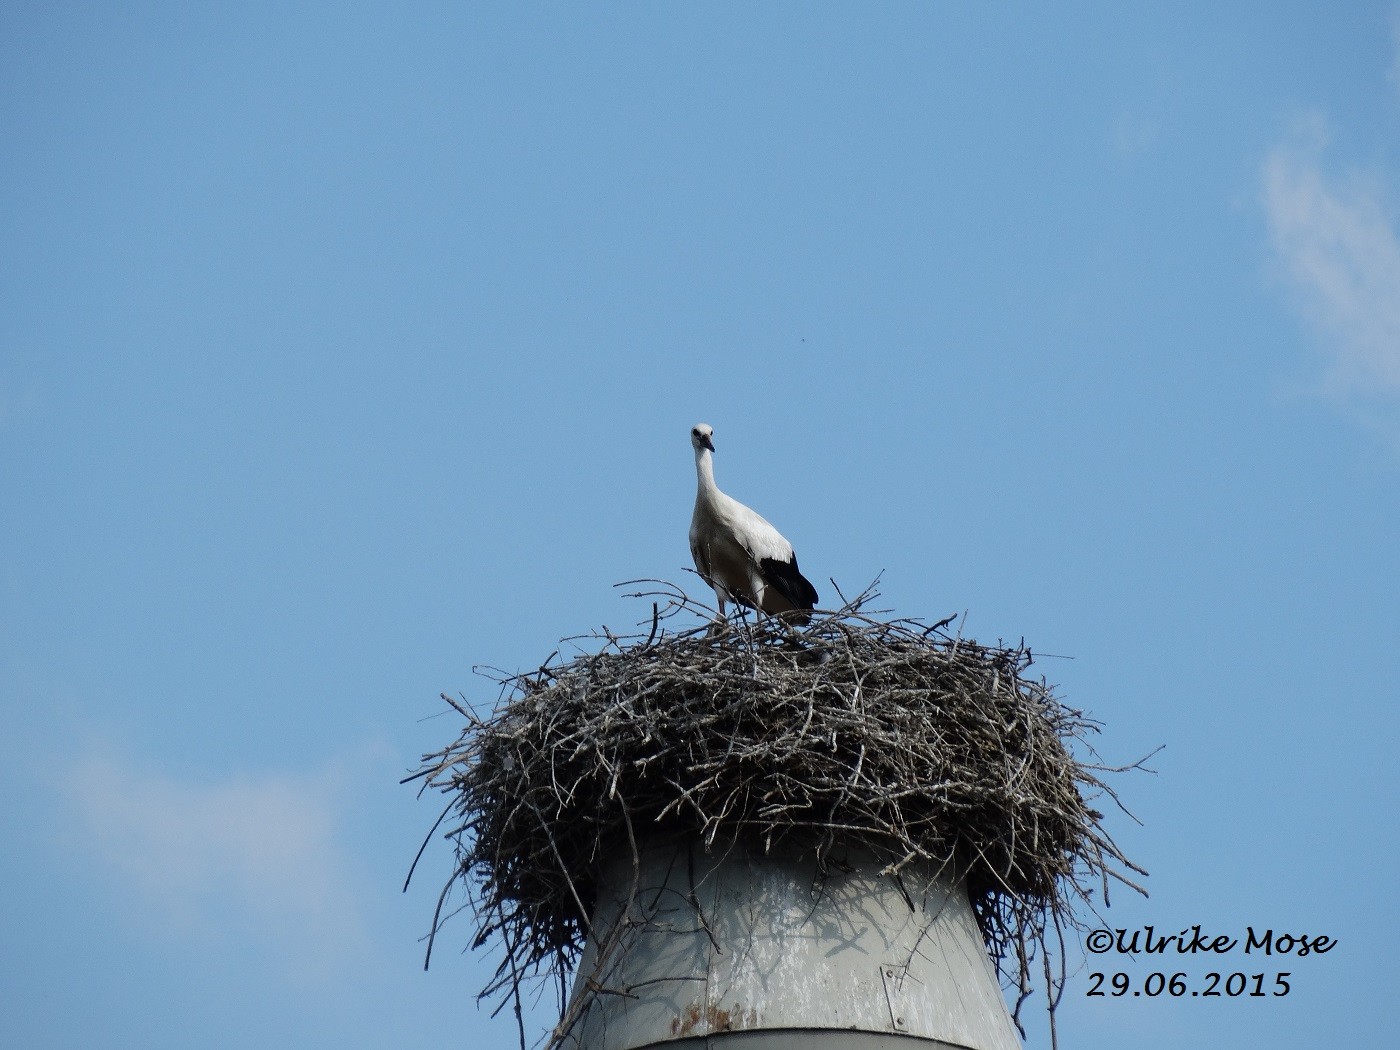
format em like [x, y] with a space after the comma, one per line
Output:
[738, 553]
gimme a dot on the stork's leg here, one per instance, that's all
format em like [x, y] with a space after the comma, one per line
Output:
[759, 590]
[717, 624]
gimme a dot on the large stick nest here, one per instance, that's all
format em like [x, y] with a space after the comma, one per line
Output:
[893, 736]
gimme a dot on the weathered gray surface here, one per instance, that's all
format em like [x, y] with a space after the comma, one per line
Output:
[715, 946]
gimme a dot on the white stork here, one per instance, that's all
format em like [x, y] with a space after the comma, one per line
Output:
[738, 553]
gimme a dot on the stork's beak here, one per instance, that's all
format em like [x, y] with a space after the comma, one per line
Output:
[708, 442]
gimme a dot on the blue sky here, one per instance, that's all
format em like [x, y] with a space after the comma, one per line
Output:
[344, 347]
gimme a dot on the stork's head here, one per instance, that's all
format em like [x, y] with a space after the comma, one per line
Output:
[702, 436]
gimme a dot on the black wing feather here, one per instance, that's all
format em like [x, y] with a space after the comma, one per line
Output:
[790, 583]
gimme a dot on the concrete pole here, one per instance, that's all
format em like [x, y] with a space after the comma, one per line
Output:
[744, 951]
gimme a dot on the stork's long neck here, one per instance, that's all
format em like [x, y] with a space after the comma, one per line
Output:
[705, 472]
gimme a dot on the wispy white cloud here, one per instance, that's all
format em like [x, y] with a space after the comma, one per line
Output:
[1336, 242]
[253, 859]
